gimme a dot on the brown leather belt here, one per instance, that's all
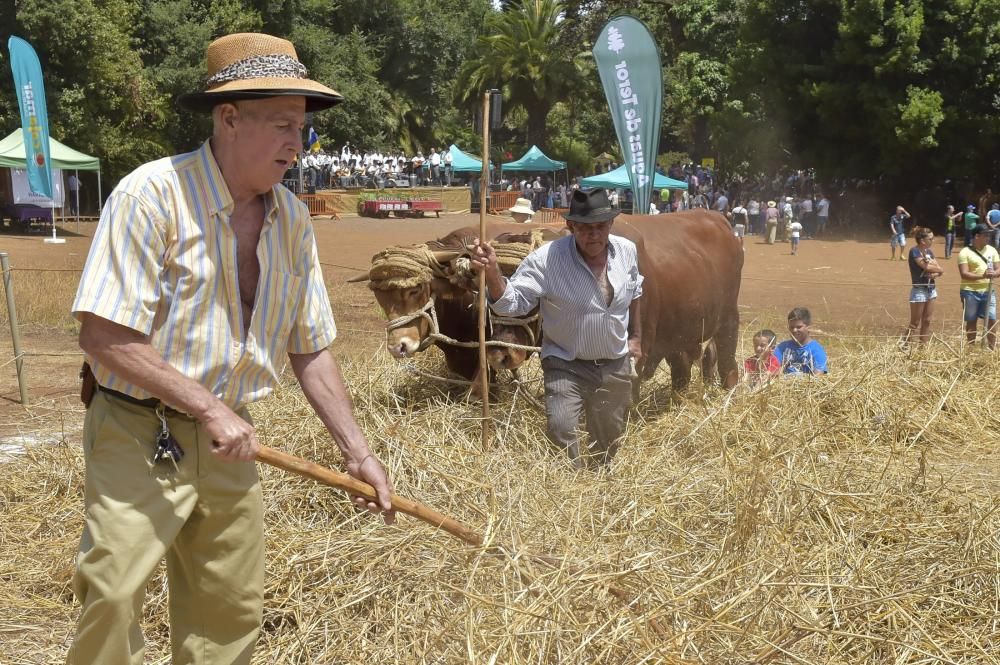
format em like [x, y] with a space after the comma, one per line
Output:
[149, 403]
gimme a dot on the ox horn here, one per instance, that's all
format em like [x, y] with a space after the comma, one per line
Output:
[446, 255]
[360, 277]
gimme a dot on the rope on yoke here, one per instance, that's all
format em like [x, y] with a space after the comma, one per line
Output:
[519, 322]
[509, 256]
[520, 386]
[404, 266]
[429, 313]
[407, 266]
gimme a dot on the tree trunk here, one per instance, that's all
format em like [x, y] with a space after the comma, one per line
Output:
[537, 118]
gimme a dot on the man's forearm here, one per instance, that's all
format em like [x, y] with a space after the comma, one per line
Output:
[635, 319]
[324, 387]
[495, 284]
[128, 354]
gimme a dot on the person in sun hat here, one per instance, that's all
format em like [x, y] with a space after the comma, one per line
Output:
[588, 288]
[521, 210]
[202, 281]
[771, 221]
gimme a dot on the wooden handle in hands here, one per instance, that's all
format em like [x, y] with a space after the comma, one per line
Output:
[342, 481]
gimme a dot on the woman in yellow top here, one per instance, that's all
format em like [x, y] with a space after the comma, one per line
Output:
[977, 266]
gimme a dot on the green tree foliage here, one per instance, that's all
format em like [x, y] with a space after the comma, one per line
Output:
[519, 56]
[902, 90]
[174, 34]
[100, 98]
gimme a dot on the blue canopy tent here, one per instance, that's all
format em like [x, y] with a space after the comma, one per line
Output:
[534, 160]
[462, 162]
[618, 179]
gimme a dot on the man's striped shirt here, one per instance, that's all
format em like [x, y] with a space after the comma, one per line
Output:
[163, 262]
[576, 321]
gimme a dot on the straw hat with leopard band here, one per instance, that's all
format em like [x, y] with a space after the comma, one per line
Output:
[256, 66]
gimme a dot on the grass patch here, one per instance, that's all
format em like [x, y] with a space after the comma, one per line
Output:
[43, 300]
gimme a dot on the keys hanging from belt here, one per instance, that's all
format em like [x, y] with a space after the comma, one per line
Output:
[166, 445]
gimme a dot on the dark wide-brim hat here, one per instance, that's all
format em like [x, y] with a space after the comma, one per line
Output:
[250, 65]
[590, 206]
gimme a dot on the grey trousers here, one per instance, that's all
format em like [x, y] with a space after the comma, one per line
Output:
[601, 391]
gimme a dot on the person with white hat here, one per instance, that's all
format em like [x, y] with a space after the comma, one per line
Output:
[202, 280]
[521, 210]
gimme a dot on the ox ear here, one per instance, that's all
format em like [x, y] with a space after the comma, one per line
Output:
[446, 255]
[360, 277]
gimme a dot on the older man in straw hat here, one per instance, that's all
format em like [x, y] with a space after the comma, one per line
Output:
[202, 280]
[521, 210]
[588, 288]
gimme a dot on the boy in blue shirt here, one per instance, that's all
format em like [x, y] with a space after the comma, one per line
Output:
[801, 354]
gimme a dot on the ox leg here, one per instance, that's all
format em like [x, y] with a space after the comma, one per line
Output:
[476, 389]
[680, 370]
[709, 364]
[646, 371]
[725, 343]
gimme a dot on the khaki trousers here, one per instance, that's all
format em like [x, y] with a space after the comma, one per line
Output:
[206, 518]
[772, 229]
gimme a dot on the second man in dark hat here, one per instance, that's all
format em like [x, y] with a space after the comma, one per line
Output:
[588, 287]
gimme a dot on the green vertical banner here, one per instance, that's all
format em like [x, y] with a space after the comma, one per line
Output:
[629, 64]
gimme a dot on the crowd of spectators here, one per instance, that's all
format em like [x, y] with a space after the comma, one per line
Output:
[351, 167]
[540, 190]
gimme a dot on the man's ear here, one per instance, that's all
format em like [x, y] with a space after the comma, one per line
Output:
[227, 115]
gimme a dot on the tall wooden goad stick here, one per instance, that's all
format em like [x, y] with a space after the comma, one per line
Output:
[484, 184]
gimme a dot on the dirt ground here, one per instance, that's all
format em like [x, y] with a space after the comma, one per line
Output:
[851, 287]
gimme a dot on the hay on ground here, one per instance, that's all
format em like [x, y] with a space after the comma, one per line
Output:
[851, 519]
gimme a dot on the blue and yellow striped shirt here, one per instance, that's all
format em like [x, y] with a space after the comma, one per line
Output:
[163, 262]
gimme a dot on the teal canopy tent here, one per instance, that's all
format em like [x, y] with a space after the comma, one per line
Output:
[618, 179]
[63, 157]
[462, 162]
[534, 160]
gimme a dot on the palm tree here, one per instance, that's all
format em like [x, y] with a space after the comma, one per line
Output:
[522, 59]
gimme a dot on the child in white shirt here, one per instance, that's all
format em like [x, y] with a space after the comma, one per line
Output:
[796, 229]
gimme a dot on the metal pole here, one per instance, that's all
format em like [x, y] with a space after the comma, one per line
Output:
[52, 179]
[986, 321]
[484, 183]
[100, 195]
[76, 199]
[15, 329]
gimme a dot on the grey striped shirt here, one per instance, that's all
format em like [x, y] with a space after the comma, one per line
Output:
[576, 322]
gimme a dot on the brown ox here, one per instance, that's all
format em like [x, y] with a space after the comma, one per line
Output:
[409, 309]
[692, 266]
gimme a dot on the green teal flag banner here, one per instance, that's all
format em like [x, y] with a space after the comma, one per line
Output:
[629, 64]
[34, 115]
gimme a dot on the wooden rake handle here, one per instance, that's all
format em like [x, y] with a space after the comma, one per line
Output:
[342, 481]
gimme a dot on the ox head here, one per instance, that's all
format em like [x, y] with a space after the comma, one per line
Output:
[522, 331]
[406, 297]
[408, 327]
